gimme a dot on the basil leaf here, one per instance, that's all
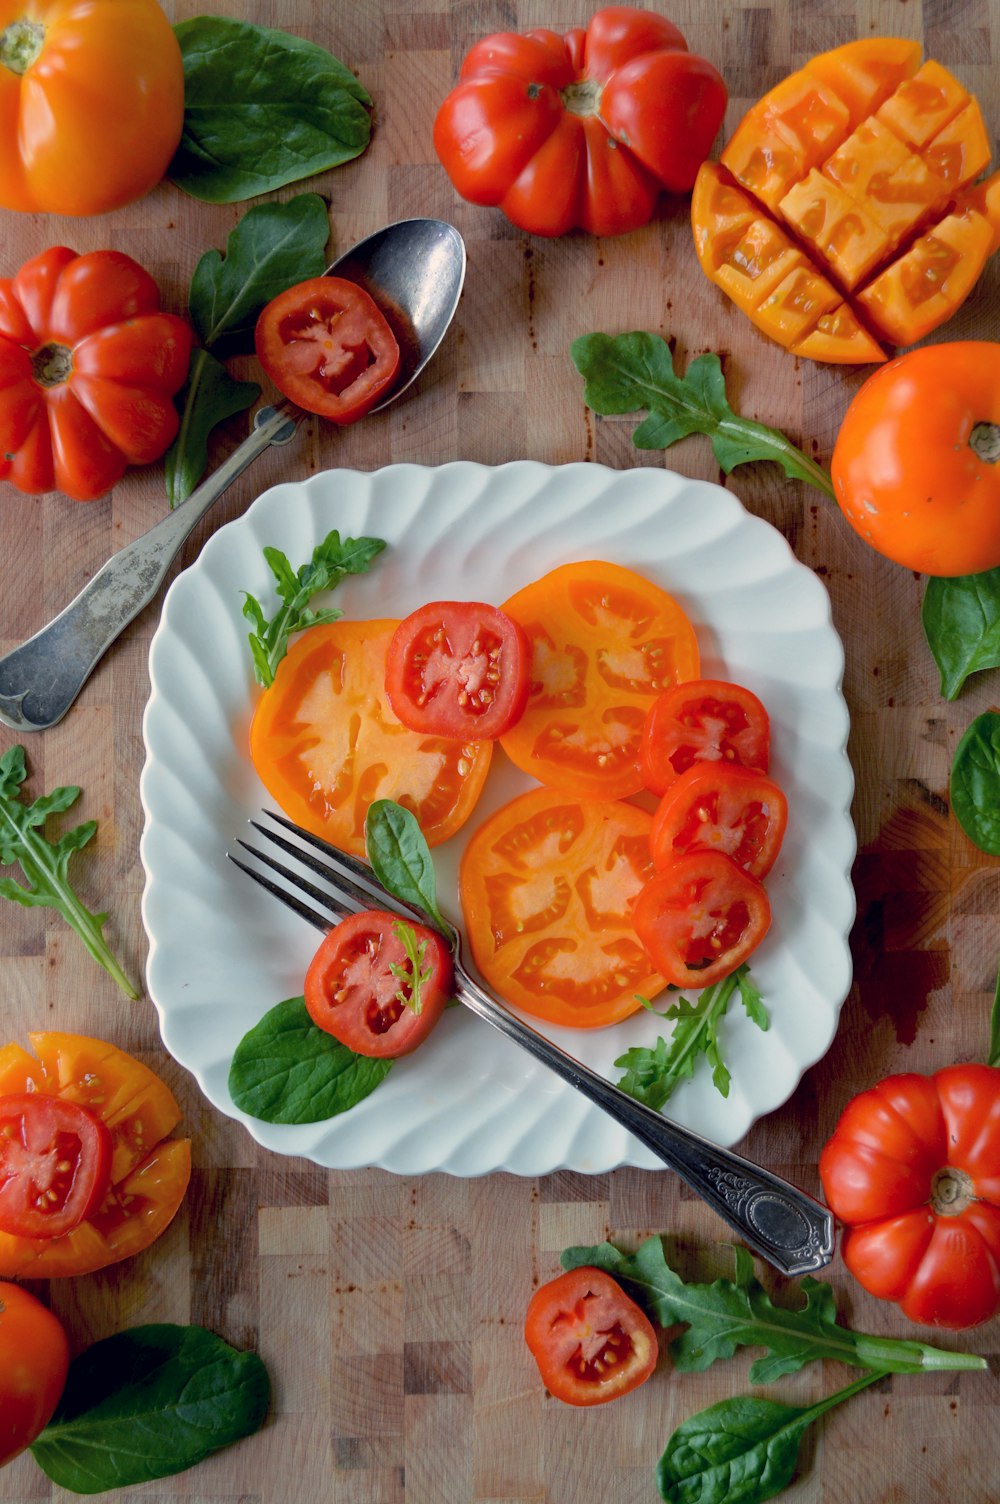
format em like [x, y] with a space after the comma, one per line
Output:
[147, 1403]
[209, 396]
[288, 1070]
[401, 859]
[961, 618]
[975, 782]
[262, 108]
[626, 372]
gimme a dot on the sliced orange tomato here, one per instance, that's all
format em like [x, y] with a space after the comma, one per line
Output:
[604, 643]
[547, 887]
[326, 743]
[149, 1171]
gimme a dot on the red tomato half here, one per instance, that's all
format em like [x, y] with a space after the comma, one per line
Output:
[55, 1164]
[700, 918]
[716, 806]
[705, 720]
[34, 1360]
[591, 1342]
[458, 668]
[360, 986]
[327, 346]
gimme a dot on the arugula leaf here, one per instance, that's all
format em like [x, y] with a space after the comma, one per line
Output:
[626, 372]
[401, 859]
[288, 1070]
[411, 974]
[331, 561]
[975, 782]
[45, 863]
[961, 620]
[262, 108]
[652, 1075]
[148, 1403]
[207, 398]
[729, 1314]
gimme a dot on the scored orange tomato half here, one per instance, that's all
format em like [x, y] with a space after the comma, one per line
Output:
[547, 886]
[604, 643]
[326, 743]
[149, 1172]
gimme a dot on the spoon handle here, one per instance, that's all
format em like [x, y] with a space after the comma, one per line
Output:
[40, 679]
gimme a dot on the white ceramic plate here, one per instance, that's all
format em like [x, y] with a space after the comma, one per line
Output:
[222, 953]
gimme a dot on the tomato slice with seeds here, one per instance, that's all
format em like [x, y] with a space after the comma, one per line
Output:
[55, 1164]
[590, 1340]
[701, 917]
[706, 720]
[458, 668]
[360, 986]
[604, 643]
[716, 806]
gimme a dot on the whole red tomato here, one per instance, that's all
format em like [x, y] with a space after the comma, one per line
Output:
[915, 467]
[584, 129]
[34, 1357]
[913, 1169]
[88, 370]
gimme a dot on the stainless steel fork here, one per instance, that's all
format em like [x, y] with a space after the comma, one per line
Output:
[780, 1222]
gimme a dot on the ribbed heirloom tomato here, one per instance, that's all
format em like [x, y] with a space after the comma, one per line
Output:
[34, 1361]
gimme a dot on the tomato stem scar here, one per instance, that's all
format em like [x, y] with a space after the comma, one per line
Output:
[52, 364]
[985, 442]
[20, 44]
[951, 1192]
[583, 97]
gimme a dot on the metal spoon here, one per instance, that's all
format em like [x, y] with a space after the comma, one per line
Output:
[414, 270]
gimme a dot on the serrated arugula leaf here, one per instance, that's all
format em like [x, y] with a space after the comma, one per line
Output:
[628, 372]
[961, 620]
[288, 1070]
[411, 974]
[45, 863]
[332, 560]
[401, 859]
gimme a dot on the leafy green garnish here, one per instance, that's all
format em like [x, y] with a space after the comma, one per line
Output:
[401, 859]
[975, 782]
[653, 1074]
[627, 372]
[411, 974]
[262, 108]
[148, 1403]
[330, 562]
[288, 1070]
[45, 863]
[961, 619]
[208, 397]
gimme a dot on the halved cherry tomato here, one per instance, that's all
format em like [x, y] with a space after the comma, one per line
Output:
[326, 743]
[361, 985]
[149, 1172]
[34, 1361]
[717, 806]
[700, 918]
[703, 720]
[590, 1340]
[55, 1164]
[327, 346]
[604, 643]
[458, 668]
[547, 887]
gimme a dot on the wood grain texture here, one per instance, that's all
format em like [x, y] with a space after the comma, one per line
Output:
[389, 1310]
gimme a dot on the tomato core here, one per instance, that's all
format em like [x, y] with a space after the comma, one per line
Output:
[52, 364]
[20, 44]
[984, 440]
[583, 97]
[952, 1192]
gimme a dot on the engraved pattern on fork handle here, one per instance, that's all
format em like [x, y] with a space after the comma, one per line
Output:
[780, 1222]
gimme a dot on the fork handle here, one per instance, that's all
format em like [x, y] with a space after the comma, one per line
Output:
[780, 1222]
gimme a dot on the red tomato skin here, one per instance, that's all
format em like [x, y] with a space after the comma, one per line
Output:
[913, 1170]
[498, 672]
[583, 130]
[721, 807]
[567, 1326]
[88, 370]
[668, 917]
[388, 1029]
[34, 1121]
[34, 1361]
[702, 720]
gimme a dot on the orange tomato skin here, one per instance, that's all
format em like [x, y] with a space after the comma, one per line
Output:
[93, 121]
[905, 474]
[34, 1359]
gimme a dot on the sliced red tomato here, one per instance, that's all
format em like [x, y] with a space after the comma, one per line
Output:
[327, 346]
[379, 983]
[55, 1164]
[604, 643]
[326, 742]
[590, 1340]
[701, 917]
[459, 669]
[718, 806]
[547, 887]
[705, 720]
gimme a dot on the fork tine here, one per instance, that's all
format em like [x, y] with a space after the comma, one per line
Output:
[339, 868]
[304, 910]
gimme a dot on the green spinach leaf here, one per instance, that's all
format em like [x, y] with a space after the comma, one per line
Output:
[287, 1070]
[961, 618]
[208, 398]
[262, 108]
[147, 1403]
[975, 782]
[401, 859]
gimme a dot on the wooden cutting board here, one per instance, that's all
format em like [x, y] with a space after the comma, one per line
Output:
[389, 1310]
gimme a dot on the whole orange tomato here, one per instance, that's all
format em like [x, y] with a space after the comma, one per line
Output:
[916, 466]
[91, 103]
[34, 1357]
